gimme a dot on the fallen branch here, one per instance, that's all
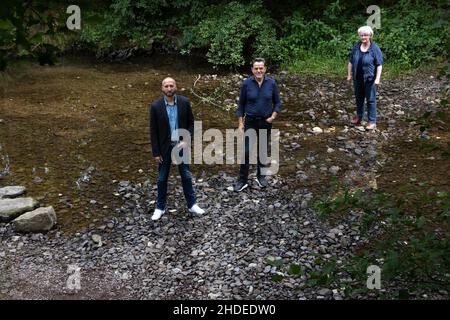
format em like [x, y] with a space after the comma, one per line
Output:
[245, 253]
[203, 99]
[199, 76]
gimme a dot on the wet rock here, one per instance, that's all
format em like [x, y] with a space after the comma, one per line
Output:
[37, 180]
[12, 208]
[39, 220]
[11, 191]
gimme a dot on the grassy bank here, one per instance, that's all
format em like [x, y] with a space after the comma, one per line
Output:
[410, 210]
[337, 67]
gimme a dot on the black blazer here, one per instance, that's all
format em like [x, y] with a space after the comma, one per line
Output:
[160, 127]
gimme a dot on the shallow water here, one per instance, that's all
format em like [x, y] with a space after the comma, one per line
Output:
[70, 133]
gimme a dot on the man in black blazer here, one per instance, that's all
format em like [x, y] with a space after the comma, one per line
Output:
[168, 114]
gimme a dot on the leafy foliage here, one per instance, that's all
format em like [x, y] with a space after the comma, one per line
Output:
[138, 23]
[26, 29]
[229, 29]
[325, 276]
[415, 36]
[410, 35]
[230, 33]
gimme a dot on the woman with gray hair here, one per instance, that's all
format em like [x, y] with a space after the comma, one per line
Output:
[364, 67]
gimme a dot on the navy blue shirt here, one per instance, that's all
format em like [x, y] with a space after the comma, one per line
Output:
[370, 60]
[359, 68]
[256, 101]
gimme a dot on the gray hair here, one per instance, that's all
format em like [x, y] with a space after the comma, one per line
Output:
[258, 60]
[366, 29]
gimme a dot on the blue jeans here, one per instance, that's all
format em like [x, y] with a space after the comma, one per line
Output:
[366, 91]
[163, 175]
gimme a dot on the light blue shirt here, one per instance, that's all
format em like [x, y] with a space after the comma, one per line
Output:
[172, 113]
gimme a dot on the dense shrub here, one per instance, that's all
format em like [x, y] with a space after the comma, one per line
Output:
[26, 29]
[230, 33]
[228, 30]
[141, 24]
[415, 36]
[410, 35]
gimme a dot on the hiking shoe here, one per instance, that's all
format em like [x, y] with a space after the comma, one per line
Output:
[240, 185]
[262, 181]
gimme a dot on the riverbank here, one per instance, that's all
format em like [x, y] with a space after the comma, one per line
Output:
[83, 130]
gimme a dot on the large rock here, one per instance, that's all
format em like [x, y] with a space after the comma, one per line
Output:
[39, 220]
[12, 208]
[11, 191]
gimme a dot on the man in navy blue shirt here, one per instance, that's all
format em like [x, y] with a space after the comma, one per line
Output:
[259, 105]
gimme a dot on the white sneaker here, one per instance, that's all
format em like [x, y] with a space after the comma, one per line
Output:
[157, 214]
[196, 209]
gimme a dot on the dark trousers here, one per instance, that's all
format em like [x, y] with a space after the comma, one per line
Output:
[366, 90]
[256, 123]
[163, 175]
